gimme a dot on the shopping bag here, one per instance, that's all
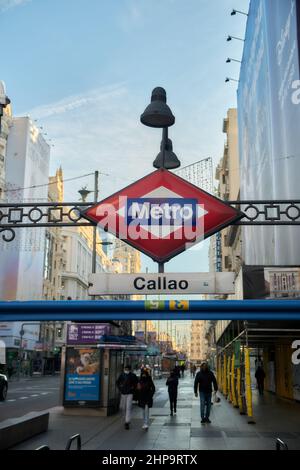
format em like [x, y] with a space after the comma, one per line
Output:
[216, 398]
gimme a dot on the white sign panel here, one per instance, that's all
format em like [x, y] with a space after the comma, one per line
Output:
[168, 283]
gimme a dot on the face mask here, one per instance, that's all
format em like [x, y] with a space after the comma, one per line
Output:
[126, 371]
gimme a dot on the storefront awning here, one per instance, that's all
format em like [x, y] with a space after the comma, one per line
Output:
[121, 342]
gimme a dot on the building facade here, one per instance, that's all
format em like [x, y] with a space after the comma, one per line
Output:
[22, 260]
[6, 122]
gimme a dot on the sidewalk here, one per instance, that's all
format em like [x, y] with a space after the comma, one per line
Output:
[229, 430]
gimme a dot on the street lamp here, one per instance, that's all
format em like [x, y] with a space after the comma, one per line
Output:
[234, 12]
[84, 192]
[158, 115]
[228, 79]
[166, 157]
[230, 38]
[229, 59]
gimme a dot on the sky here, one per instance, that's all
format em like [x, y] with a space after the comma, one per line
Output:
[85, 70]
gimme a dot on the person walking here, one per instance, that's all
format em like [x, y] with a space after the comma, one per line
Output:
[182, 368]
[172, 384]
[146, 390]
[203, 383]
[260, 379]
[194, 370]
[177, 371]
[127, 384]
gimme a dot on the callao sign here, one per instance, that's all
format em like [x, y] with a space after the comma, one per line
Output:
[162, 215]
[175, 283]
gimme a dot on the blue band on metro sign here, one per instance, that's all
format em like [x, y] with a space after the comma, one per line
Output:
[162, 211]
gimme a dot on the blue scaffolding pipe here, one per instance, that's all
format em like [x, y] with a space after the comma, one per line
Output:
[100, 310]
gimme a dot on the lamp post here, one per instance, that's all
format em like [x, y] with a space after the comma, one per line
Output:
[158, 115]
[229, 59]
[234, 12]
[84, 192]
[22, 333]
[228, 79]
[230, 38]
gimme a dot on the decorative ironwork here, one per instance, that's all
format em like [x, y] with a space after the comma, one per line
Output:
[57, 214]
[268, 212]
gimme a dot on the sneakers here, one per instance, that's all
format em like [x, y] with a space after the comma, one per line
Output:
[171, 414]
[205, 420]
[145, 426]
[126, 425]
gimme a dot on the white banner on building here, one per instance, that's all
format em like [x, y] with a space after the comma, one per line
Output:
[168, 283]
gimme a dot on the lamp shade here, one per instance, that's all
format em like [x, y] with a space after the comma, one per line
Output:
[158, 113]
[166, 159]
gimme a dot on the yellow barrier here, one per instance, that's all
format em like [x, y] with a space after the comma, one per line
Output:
[248, 387]
[225, 376]
[238, 386]
[229, 394]
[219, 372]
[233, 391]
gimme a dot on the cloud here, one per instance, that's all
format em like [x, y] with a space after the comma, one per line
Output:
[76, 101]
[8, 4]
[98, 130]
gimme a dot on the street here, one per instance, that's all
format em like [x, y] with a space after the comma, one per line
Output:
[228, 430]
[34, 394]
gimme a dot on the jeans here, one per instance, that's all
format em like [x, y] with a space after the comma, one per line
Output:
[260, 386]
[173, 401]
[126, 405]
[146, 415]
[205, 404]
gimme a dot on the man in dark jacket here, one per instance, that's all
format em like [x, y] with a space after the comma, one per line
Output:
[260, 378]
[127, 383]
[203, 382]
[172, 384]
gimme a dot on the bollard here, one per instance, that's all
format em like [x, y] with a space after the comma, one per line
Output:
[248, 387]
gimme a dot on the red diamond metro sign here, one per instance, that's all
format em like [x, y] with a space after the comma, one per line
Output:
[162, 215]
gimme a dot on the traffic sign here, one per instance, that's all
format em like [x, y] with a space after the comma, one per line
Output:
[162, 215]
[168, 283]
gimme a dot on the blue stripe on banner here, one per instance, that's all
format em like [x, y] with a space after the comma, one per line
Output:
[139, 310]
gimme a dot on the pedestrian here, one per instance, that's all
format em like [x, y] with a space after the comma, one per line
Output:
[194, 370]
[182, 368]
[146, 390]
[203, 383]
[172, 384]
[177, 371]
[10, 370]
[127, 384]
[260, 379]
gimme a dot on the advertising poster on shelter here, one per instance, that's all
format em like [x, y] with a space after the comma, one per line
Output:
[82, 374]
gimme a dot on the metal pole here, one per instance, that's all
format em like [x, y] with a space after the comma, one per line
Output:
[161, 268]
[146, 318]
[94, 254]
[164, 142]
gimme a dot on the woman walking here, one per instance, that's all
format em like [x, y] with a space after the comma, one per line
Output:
[172, 384]
[146, 390]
